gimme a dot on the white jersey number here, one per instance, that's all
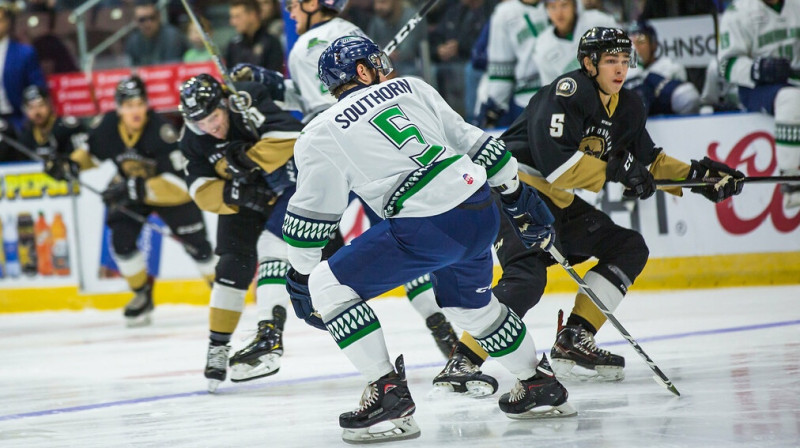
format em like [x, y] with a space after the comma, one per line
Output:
[557, 125]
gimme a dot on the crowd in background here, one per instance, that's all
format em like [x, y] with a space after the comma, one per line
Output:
[448, 49]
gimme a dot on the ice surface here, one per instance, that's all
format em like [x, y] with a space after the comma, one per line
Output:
[83, 379]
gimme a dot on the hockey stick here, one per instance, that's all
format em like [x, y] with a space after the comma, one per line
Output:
[660, 377]
[408, 27]
[240, 103]
[706, 181]
[125, 211]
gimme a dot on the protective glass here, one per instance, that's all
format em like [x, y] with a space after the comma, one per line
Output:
[382, 63]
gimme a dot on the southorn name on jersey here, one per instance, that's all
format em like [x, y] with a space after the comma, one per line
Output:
[387, 92]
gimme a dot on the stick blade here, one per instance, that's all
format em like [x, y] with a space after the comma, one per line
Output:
[671, 387]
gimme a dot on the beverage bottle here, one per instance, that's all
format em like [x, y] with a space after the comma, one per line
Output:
[27, 244]
[60, 246]
[10, 248]
[44, 245]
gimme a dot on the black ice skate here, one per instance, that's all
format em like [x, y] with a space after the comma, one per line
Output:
[576, 356]
[386, 401]
[442, 333]
[216, 365]
[540, 396]
[461, 375]
[262, 357]
[138, 310]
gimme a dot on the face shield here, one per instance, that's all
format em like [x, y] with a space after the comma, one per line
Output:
[381, 62]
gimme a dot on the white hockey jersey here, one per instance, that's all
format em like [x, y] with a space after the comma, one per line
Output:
[400, 147]
[750, 28]
[513, 30]
[303, 61]
[663, 66]
[555, 56]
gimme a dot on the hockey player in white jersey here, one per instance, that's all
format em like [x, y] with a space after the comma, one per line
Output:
[556, 47]
[759, 51]
[414, 161]
[512, 77]
[660, 81]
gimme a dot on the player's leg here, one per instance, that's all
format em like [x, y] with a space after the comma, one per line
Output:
[420, 293]
[131, 264]
[622, 255]
[787, 140]
[187, 223]
[236, 247]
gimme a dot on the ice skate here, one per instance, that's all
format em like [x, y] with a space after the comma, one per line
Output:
[262, 357]
[576, 356]
[442, 333]
[385, 411]
[462, 376]
[216, 365]
[138, 311]
[540, 396]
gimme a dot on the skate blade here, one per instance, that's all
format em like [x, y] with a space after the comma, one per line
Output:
[474, 389]
[563, 410]
[213, 385]
[268, 364]
[570, 371]
[402, 429]
[141, 320]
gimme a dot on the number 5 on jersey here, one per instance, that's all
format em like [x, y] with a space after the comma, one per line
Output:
[386, 121]
[557, 125]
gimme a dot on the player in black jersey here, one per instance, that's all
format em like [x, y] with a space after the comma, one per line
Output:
[53, 138]
[144, 148]
[241, 167]
[582, 131]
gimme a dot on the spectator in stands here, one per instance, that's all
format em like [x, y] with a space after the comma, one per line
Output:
[661, 82]
[253, 44]
[197, 51]
[272, 19]
[390, 16]
[153, 42]
[19, 68]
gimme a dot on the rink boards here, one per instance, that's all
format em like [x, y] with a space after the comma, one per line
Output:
[749, 240]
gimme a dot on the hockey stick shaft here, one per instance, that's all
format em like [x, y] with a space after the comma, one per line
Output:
[408, 27]
[610, 316]
[122, 209]
[713, 180]
[238, 101]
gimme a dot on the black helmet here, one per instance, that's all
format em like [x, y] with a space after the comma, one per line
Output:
[200, 96]
[129, 88]
[33, 93]
[599, 40]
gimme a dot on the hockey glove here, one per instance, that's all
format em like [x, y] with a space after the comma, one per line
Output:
[255, 196]
[622, 167]
[270, 79]
[297, 286]
[534, 221]
[128, 191]
[239, 164]
[60, 167]
[730, 182]
[767, 70]
[489, 114]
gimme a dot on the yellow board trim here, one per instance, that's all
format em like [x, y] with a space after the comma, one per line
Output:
[661, 273]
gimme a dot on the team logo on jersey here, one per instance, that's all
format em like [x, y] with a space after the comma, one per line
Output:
[167, 133]
[468, 178]
[566, 87]
[593, 145]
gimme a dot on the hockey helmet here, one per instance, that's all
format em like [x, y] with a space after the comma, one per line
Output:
[33, 93]
[200, 96]
[333, 5]
[129, 88]
[337, 64]
[599, 40]
[644, 28]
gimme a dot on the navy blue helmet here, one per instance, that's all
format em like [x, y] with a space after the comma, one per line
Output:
[337, 64]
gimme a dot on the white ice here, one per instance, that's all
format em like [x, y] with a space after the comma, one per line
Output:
[81, 379]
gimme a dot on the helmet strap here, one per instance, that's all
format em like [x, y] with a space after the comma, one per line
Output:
[309, 14]
[595, 62]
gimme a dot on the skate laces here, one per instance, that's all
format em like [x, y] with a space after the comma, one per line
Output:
[368, 398]
[463, 364]
[587, 340]
[218, 356]
[517, 392]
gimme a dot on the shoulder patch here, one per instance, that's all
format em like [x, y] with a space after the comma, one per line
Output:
[566, 87]
[70, 122]
[167, 133]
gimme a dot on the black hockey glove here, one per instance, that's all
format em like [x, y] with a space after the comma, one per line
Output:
[270, 79]
[239, 164]
[489, 114]
[61, 167]
[255, 196]
[767, 70]
[122, 193]
[624, 168]
[297, 286]
[534, 221]
[729, 183]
